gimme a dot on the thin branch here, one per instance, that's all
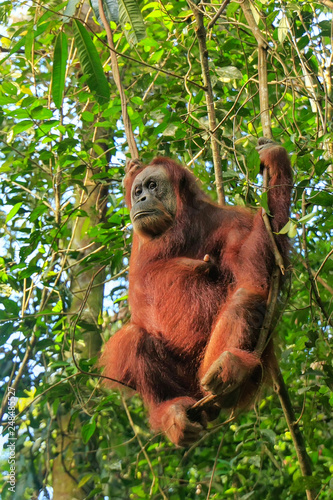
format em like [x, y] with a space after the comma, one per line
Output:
[214, 468]
[116, 76]
[323, 263]
[34, 195]
[218, 13]
[201, 37]
[14, 384]
[319, 278]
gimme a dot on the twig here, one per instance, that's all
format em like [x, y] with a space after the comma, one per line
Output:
[201, 37]
[214, 468]
[318, 278]
[218, 13]
[35, 195]
[116, 76]
[323, 263]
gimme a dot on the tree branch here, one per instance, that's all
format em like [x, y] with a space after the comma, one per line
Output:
[116, 76]
[201, 37]
[218, 13]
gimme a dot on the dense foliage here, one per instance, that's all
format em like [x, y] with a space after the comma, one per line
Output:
[66, 236]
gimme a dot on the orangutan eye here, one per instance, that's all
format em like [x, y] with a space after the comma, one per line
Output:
[152, 185]
[138, 191]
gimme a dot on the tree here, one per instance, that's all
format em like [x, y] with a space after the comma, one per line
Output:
[81, 91]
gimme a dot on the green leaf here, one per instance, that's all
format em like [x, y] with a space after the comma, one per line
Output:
[91, 63]
[228, 73]
[87, 116]
[84, 480]
[69, 11]
[85, 226]
[29, 38]
[307, 217]
[24, 40]
[110, 7]
[324, 199]
[58, 307]
[88, 430]
[5, 331]
[264, 202]
[292, 230]
[22, 126]
[26, 273]
[41, 113]
[16, 48]
[13, 211]
[130, 13]
[59, 68]
[305, 483]
[285, 228]
[283, 29]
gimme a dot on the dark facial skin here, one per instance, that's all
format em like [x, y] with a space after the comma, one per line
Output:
[154, 202]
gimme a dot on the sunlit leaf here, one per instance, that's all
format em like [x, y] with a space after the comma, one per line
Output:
[58, 307]
[41, 113]
[285, 228]
[292, 230]
[14, 211]
[85, 226]
[228, 73]
[283, 28]
[307, 217]
[28, 44]
[59, 68]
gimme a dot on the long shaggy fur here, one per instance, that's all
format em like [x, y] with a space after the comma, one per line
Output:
[186, 313]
